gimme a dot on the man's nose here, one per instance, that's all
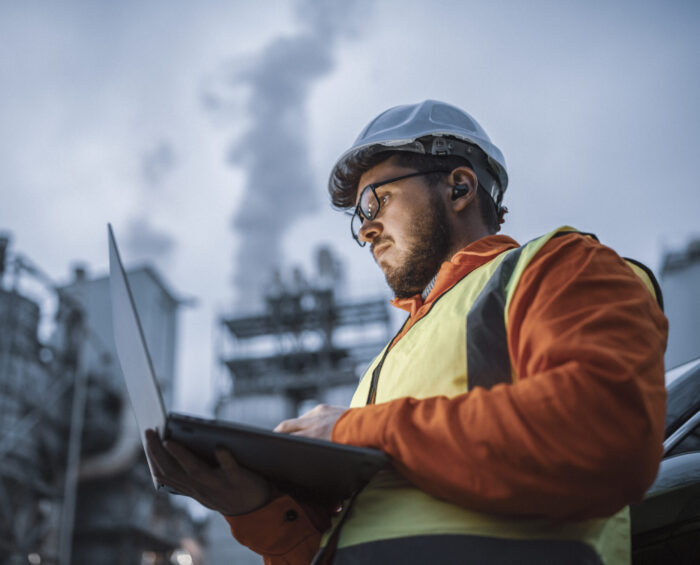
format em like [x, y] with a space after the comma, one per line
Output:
[369, 230]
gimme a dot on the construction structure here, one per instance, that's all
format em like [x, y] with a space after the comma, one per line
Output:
[74, 484]
[303, 346]
[680, 283]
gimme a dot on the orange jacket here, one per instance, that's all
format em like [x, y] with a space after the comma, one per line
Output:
[579, 434]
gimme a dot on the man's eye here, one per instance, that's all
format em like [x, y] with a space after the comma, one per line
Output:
[384, 198]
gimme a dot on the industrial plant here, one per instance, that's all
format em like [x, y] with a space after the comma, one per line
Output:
[74, 482]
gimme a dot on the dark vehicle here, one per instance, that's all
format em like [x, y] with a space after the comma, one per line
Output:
[666, 525]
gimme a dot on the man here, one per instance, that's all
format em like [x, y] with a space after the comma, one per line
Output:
[522, 402]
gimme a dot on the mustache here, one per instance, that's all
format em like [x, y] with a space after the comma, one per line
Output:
[380, 241]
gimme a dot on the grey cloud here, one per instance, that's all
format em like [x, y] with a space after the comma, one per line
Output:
[157, 162]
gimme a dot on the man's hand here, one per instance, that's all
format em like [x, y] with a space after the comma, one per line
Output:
[227, 488]
[317, 423]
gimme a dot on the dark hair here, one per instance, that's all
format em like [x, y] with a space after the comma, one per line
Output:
[343, 183]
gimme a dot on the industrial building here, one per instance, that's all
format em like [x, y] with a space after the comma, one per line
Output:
[74, 483]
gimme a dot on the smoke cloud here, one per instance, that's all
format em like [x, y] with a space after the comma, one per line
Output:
[273, 150]
[144, 242]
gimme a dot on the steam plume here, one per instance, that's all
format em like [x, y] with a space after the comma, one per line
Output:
[144, 241]
[273, 150]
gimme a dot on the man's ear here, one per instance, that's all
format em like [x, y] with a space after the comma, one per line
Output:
[463, 187]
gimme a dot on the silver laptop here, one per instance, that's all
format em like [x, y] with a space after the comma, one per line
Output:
[308, 468]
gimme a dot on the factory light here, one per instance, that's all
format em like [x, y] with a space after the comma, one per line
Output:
[181, 557]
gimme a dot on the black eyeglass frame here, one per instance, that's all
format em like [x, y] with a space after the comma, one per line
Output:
[373, 187]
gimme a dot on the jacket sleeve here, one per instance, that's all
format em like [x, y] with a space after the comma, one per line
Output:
[579, 433]
[284, 532]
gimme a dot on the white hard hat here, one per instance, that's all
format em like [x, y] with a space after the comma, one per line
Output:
[434, 128]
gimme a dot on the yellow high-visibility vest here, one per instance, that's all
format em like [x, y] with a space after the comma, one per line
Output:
[443, 354]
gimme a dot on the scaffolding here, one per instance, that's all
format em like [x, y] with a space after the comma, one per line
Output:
[304, 342]
[33, 397]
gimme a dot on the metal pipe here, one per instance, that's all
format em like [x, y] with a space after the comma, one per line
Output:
[121, 456]
[70, 492]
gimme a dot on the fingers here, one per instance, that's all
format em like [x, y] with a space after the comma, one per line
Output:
[166, 469]
[226, 488]
[171, 461]
[160, 459]
[170, 458]
[303, 422]
[290, 426]
[317, 423]
[188, 461]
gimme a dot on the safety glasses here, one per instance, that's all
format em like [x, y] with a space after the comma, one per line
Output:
[369, 204]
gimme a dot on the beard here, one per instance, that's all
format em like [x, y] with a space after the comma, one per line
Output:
[429, 246]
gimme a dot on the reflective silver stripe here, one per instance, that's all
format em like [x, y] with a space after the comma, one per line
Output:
[488, 362]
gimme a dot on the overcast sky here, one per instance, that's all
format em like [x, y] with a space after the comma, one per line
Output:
[194, 127]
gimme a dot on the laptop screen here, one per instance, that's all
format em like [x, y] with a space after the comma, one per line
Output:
[141, 383]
